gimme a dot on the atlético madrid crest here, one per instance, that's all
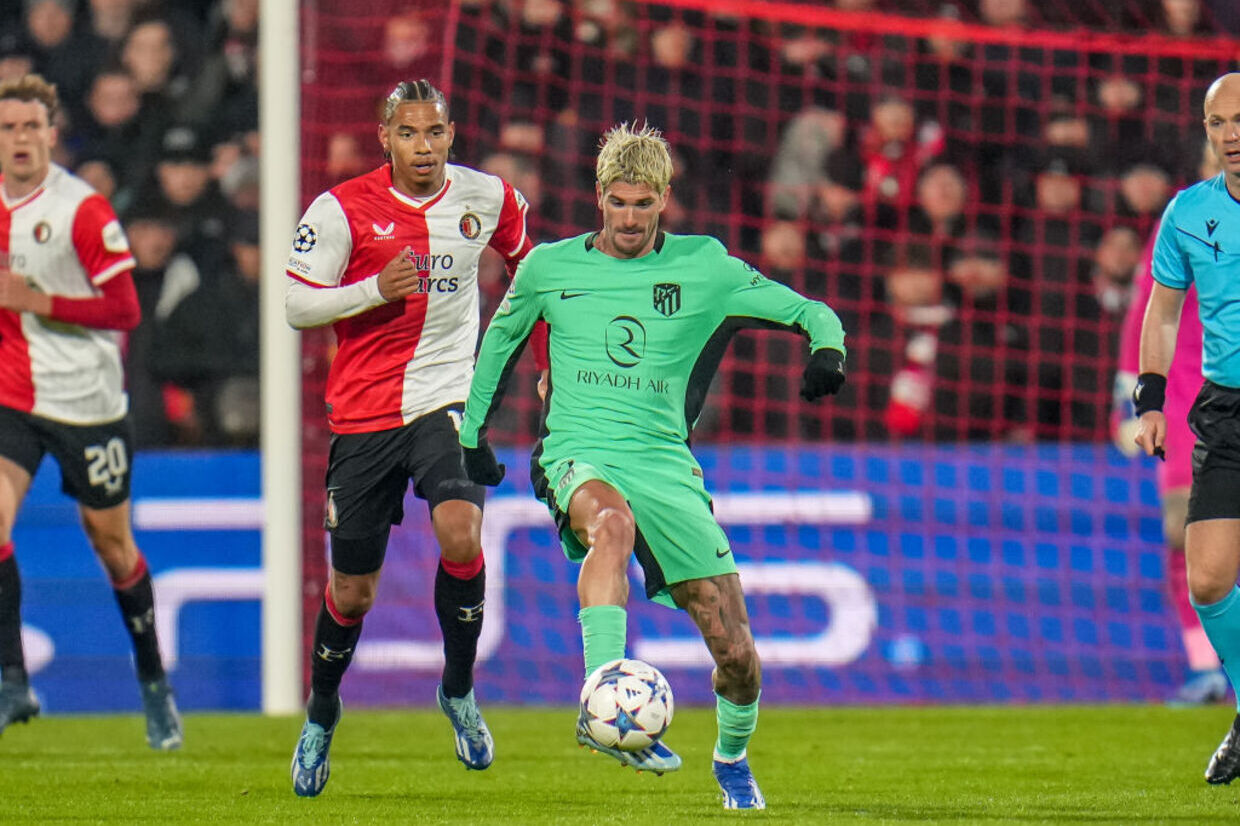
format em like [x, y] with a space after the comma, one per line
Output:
[470, 226]
[42, 232]
[667, 298]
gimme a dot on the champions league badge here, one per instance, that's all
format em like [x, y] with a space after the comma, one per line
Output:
[470, 226]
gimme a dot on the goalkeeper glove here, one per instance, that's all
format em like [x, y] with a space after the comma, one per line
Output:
[481, 466]
[824, 375]
[1124, 420]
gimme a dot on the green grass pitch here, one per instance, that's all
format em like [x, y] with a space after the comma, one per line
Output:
[1114, 764]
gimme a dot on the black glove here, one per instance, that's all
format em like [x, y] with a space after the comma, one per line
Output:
[824, 375]
[480, 464]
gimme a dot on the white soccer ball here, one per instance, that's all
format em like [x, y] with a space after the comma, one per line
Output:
[626, 704]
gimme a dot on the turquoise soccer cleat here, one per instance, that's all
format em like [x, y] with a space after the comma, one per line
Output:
[657, 758]
[740, 790]
[474, 746]
[17, 704]
[311, 761]
[163, 721]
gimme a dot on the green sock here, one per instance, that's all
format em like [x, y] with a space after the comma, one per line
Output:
[603, 630]
[736, 726]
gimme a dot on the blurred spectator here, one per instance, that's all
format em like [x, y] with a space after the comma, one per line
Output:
[1144, 190]
[119, 129]
[99, 174]
[239, 182]
[894, 149]
[208, 342]
[16, 54]
[184, 188]
[1003, 12]
[783, 251]
[407, 40]
[163, 278]
[839, 218]
[110, 20]
[344, 157]
[1126, 133]
[1183, 18]
[149, 53]
[520, 170]
[1115, 264]
[63, 54]
[797, 168]
[223, 98]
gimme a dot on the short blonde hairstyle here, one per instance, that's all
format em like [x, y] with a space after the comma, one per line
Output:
[634, 156]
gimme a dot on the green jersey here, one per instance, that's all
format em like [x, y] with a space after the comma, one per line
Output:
[634, 342]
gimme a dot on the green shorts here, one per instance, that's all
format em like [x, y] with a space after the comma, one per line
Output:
[677, 536]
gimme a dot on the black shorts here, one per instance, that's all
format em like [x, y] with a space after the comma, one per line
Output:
[368, 473]
[1215, 419]
[94, 459]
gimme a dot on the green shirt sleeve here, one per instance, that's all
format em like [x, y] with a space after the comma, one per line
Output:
[751, 295]
[501, 347]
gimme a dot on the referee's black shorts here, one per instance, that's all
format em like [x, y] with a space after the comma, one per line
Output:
[1215, 419]
[368, 473]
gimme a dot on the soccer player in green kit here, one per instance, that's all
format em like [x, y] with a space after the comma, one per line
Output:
[639, 319]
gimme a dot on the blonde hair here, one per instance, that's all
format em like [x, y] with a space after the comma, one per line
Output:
[29, 88]
[634, 156]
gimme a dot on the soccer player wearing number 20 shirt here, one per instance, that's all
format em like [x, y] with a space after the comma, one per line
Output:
[66, 297]
[390, 259]
[638, 320]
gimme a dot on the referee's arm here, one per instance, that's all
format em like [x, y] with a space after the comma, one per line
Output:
[1158, 336]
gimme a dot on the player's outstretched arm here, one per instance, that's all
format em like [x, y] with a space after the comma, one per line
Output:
[769, 303]
[497, 357]
[1158, 337]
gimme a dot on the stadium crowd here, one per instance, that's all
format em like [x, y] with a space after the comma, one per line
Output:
[161, 117]
[975, 211]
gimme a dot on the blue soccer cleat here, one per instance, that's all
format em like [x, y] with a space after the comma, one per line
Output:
[740, 790]
[1203, 688]
[657, 758]
[163, 721]
[17, 704]
[311, 763]
[474, 746]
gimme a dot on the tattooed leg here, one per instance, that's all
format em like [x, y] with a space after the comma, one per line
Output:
[717, 607]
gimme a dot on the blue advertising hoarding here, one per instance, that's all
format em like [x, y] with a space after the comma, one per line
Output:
[873, 575]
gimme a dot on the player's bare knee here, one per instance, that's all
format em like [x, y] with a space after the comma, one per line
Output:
[353, 601]
[613, 528]
[458, 543]
[1207, 589]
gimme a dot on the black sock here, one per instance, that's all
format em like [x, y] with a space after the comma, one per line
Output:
[12, 661]
[137, 604]
[458, 604]
[333, 651]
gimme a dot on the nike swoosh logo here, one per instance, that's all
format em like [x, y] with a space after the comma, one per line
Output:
[566, 295]
[723, 553]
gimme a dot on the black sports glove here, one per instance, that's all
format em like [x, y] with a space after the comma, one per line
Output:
[480, 464]
[824, 375]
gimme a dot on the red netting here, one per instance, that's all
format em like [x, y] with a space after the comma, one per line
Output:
[971, 199]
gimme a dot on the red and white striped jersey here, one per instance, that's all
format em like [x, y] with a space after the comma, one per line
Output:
[65, 240]
[406, 358]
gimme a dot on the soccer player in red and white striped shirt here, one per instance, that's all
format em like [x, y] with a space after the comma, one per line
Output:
[390, 259]
[66, 297]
